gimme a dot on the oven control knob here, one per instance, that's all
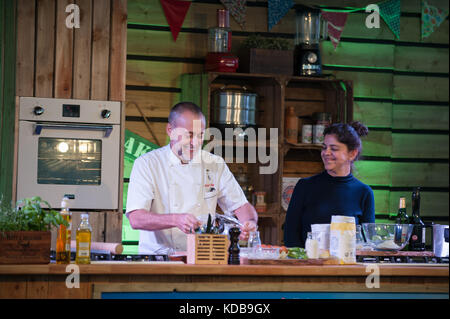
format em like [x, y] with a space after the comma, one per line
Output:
[38, 110]
[106, 114]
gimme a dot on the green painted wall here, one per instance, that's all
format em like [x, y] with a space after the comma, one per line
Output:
[7, 92]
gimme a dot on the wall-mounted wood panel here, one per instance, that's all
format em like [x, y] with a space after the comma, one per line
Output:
[63, 53]
[377, 143]
[420, 146]
[67, 62]
[156, 73]
[45, 49]
[420, 117]
[82, 52]
[100, 49]
[373, 114]
[26, 16]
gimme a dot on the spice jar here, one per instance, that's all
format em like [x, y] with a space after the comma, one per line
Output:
[260, 201]
[322, 120]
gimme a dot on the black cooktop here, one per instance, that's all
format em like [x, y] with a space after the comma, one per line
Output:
[403, 259]
[105, 255]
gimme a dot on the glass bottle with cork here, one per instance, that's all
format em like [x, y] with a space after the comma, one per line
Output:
[401, 218]
[417, 240]
[64, 235]
[84, 234]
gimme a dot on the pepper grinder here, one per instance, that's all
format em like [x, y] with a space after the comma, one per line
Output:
[233, 256]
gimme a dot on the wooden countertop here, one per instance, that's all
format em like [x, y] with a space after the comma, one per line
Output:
[142, 268]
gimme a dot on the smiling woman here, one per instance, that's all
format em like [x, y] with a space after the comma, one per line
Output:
[342, 147]
[333, 192]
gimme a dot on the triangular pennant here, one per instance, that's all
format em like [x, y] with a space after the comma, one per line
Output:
[175, 12]
[390, 12]
[277, 9]
[237, 9]
[432, 17]
[336, 24]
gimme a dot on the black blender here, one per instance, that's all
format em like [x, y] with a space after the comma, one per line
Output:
[307, 60]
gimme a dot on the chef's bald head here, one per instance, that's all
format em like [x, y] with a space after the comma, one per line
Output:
[182, 107]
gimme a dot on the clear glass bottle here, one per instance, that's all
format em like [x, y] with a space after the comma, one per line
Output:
[312, 246]
[64, 235]
[84, 234]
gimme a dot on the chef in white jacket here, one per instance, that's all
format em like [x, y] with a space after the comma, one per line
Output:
[173, 187]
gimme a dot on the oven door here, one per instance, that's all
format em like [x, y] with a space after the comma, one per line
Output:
[78, 161]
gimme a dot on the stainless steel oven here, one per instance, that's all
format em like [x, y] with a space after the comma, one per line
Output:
[69, 148]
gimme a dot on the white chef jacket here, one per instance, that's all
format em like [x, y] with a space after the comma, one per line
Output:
[160, 183]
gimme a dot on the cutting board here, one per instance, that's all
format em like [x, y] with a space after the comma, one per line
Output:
[289, 261]
[394, 253]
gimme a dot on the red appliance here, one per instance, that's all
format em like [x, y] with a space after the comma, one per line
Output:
[221, 62]
[219, 57]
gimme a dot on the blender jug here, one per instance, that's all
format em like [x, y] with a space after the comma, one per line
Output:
[307, 50]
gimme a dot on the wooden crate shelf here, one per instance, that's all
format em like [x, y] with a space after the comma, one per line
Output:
[276, 91]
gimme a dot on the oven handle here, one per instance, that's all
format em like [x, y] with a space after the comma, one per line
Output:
[107, 128]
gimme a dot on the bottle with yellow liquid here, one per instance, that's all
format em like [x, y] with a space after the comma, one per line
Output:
[84, 232]
[64, 235]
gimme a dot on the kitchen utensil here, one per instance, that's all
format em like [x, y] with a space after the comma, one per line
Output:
[392, 237]
[234, 107]
[229, 220]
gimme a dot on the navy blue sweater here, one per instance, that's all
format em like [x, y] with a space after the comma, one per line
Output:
[315, 199]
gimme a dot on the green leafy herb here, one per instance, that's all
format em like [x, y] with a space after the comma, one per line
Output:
[297, 253]
[257, 41]
[28, 215]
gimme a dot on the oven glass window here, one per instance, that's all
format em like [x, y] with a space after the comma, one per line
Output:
[69, 161]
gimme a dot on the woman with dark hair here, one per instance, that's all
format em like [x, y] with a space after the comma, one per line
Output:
[335, 191]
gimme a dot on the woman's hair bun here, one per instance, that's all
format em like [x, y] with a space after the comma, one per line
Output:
[360, 128]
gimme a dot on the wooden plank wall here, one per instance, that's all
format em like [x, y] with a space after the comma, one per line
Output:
[7, 101]
[81, 63]
[89, 62]
[401, 88]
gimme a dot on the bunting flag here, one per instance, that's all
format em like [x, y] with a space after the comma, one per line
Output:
[432, 17]
[175, 12]
[390, 12]
[238, 10]
[277, 9]
[336, 23]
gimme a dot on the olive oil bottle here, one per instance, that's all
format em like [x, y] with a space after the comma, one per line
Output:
[84, 232]
[64, 235]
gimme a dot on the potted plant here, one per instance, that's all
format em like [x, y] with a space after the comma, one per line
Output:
[260, 54]
[25, 236]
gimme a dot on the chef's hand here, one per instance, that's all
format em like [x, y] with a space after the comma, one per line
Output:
[187, 223]
[247, 228]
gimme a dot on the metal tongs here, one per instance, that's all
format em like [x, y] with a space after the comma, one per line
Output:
[229, 220]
